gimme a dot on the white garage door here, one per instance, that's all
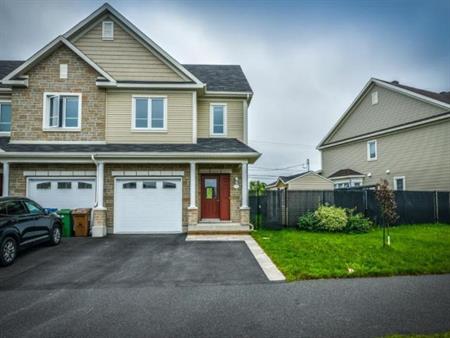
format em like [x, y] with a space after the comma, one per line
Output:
[62, 193]
[147, 205]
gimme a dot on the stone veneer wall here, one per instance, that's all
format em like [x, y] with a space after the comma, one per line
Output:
[27, 103]
[235, 194]
[109, 185]
[18, 182]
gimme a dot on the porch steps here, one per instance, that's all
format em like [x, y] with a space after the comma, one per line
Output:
[220, 228]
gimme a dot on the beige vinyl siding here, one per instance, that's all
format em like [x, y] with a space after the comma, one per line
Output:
[235, 117]
[392, 109]
[124, 58]
[422, 155]
[310, 182]
[119, 115]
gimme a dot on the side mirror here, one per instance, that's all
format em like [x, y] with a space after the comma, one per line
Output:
[46, 212]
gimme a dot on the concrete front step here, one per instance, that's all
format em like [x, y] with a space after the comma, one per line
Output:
[218, 228]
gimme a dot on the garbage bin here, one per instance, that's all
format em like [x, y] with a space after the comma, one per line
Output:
[81, 218]
[67, 221]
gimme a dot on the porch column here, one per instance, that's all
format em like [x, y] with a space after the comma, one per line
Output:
[244, 203]
[245, 210]
[192, 209]
[5, 191]
[99, 214]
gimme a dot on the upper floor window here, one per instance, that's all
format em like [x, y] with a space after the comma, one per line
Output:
[372, 152]
[218, 119]
[399, 183]
[5, 116]
[149, 113]
[108, 30]
[62, 111]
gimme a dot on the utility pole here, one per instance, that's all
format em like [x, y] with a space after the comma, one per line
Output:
[307, 164]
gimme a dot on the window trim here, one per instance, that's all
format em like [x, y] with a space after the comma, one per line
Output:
[395, 182]
[107, 38]
[46, 115]
[149, 114]
[6, 133]
[368, 150]
[211, 119]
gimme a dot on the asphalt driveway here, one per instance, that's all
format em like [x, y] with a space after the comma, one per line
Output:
[131, 261]
[141, 286]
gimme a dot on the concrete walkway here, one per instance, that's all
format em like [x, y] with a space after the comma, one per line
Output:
[270, 269]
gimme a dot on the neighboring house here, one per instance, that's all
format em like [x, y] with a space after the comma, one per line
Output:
[393, 132]
[102, 117]
[308, 180]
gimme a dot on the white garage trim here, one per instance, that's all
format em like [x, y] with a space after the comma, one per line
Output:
[147, 173]
[176, 215]
[59, 173]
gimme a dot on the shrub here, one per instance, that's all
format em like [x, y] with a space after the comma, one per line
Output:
[331, 218]
[308, 221]
[357, 222]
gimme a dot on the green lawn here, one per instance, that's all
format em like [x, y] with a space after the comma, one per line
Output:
[436, 335]
[415, 249]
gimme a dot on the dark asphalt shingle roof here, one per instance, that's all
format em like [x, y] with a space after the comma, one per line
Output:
[442, 96]
[204, 145]
[345, 172]
[7, 66]
[291, 177]
[227, 78]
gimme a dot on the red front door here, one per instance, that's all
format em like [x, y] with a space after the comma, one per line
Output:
[215, 199]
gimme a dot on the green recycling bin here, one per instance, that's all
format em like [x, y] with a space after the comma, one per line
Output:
[66, 218]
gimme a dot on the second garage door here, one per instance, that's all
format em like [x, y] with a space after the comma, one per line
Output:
[148, 205]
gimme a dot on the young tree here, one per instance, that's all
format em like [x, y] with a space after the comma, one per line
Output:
[386, 201]
[258, 189]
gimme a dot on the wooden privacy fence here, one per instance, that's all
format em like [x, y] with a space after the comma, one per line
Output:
[283, 208]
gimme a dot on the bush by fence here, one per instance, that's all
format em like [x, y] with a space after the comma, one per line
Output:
[283, 208]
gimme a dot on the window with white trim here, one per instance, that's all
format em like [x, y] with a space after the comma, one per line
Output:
[372, 152]
[108, 30]
[149, 113]
[399, 183]
[62, 111]
[5, 116]
[218, 119]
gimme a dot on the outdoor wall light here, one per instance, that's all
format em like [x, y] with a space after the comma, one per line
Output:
[388, 171]
[236, 183]
[369, 175]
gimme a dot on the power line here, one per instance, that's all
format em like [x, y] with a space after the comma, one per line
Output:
[285, 168]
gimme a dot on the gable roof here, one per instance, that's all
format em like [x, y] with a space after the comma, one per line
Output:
[221, 78]
[287, 179]
[345, 172]
[141, 37]
[45, 51]
[442, 96]
[437, 99]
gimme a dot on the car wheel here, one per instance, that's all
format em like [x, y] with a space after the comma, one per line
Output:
[55, 235]
[8, 251]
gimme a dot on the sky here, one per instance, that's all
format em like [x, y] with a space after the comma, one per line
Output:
[305, 60]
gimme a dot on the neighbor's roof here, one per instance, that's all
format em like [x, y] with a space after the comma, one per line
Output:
[286, 179]
[345, 172]
[221, 78]
[203, 145]
[218, 78]
[442, 96]
[7, 66]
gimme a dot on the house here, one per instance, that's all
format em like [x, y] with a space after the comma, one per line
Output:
[102, 117]
[391, 131]
[308, 180]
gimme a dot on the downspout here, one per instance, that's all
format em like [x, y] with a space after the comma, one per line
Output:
[96, 183]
